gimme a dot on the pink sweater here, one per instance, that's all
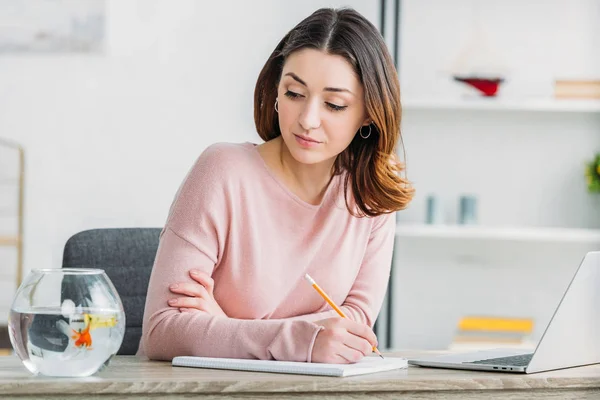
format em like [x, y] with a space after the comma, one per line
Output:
[234, 220]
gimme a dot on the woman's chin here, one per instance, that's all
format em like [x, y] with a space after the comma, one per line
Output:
[305, 156]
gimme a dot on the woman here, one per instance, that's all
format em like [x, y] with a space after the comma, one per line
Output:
[317, 197]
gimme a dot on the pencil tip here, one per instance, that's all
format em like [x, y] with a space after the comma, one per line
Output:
[380, 355]
[376, 350]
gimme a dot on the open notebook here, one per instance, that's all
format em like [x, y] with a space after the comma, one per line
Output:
[367, 365]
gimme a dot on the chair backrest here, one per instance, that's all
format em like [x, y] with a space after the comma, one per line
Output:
[127, 256]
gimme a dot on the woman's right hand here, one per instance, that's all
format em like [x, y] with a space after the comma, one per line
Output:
[343, 341]
[197, 296]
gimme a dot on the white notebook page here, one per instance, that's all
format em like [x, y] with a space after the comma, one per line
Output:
[367, 365]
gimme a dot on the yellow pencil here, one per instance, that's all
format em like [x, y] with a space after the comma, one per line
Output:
[331, 303]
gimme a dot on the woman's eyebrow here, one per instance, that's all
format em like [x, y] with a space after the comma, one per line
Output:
[327, 89]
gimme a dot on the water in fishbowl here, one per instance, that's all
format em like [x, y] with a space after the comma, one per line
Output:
[54, 343]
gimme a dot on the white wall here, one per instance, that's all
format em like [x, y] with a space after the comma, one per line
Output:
[110, 137]
[525, 168]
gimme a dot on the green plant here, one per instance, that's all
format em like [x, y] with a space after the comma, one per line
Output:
[592, 174]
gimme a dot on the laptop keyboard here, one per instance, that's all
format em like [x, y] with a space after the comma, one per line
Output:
[520, 360]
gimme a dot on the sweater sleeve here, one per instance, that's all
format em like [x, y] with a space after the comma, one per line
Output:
[194, 238]
[365, 298]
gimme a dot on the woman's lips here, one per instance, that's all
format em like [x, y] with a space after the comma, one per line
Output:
[305, 141]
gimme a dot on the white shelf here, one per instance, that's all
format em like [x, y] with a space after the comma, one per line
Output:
[503, 104]
[474, 232]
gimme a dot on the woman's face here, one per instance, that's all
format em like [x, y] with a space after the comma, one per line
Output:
[321, 105]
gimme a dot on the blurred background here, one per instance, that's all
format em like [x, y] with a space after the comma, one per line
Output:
[105, 105]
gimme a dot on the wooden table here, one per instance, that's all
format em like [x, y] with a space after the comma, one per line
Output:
[132, 377]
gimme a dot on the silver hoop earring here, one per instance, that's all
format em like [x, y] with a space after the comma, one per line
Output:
[367, 135]
[276, 105]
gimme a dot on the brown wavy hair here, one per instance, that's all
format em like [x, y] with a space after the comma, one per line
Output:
[372, 164]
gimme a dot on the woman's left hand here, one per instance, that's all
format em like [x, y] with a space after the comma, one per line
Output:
[198, 295]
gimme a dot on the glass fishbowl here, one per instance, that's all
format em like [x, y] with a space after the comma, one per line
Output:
[66, 321]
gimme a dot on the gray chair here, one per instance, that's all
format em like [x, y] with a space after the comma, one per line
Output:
[127, 256]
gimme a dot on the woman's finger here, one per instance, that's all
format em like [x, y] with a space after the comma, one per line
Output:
[189, 289]
[337, 359]
[350, 355]
[359, 344]
[359, 329]
[204, 279]
[189, 302]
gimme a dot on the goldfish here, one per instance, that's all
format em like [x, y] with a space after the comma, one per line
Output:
[96, 321]
[83, 338]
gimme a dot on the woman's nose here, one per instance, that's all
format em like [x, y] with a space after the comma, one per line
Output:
[310, 118]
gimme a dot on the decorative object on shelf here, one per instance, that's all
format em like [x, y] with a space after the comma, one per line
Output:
[480, 63]
[487, 86]
[592, 174]
[467, 210]
[434, 210]
[577, 88]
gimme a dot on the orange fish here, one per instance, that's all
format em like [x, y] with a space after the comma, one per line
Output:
[83, 338]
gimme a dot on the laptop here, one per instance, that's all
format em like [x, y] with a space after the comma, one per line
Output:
[571, 339]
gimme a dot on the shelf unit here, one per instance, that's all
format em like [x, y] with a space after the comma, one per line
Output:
[503, 104]
[15, 239]
[423, 111]
[477, 232]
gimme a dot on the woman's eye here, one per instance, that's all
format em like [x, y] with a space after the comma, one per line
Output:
[335, 107]
[292, 95]
[331, 106]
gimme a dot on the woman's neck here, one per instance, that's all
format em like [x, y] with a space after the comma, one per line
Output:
[307, 181]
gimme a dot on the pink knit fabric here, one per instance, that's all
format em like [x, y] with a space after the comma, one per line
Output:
[234, 220]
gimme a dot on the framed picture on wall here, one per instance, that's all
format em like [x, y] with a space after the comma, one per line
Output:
[52, 26]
